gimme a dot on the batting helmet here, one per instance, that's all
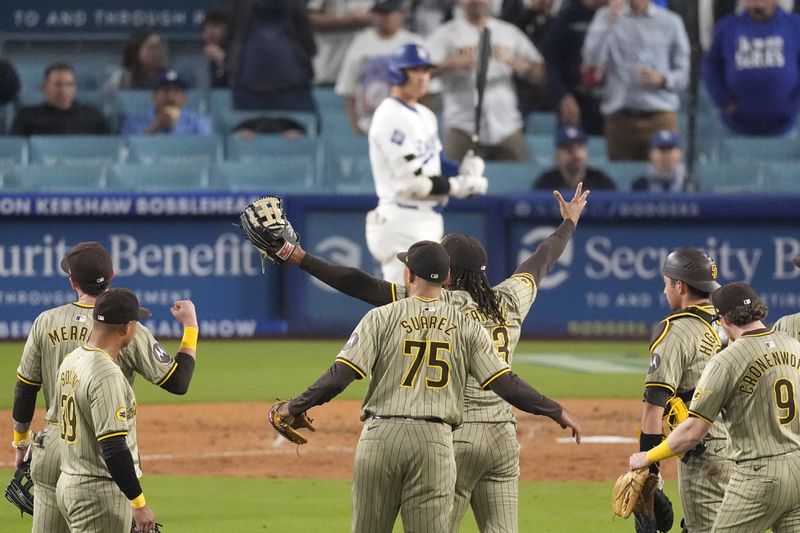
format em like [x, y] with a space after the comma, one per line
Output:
[693, 267]
[407, 56]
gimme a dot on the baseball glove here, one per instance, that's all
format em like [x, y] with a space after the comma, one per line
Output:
[156, 529]
[627, 490]
[265, 225]
[643, 511]
[287, 427]
[19, 491]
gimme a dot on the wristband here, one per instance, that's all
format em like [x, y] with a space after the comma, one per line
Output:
[659, 453]
[138, 502]
[189, 340]
[21, 440]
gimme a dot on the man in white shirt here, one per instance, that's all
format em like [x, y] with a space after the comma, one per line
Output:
[412, 176]
[335, 23]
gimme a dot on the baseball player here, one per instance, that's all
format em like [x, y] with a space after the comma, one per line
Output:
[98, 490]
[753, 384]
[412, 177]
[681, 346]
[58, 331]
[790, 324]
[487, 451]
[418, 352]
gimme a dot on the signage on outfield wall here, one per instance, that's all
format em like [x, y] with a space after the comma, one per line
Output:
[168, 17]
[162, 260]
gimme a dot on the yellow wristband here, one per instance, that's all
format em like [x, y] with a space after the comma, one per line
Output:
[138, 502]
[21, 440]
[659, 453]
[189, 340]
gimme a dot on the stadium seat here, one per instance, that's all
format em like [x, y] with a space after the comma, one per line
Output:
[335, 123]
[156, 178]
[278, 177]
[541, 149]
[347, 166]
[46, 178]
[226, 120]
[327, 99]
[623, 172]
[730, 177]
[782, 177]
[13, 151]
[511, 177]
[220, 100]
[541, 124]
[744, 149]
[174, 149]
[75, 150]
[267, 150]
[597, 150]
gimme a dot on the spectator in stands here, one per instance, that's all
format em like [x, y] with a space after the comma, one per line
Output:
[168, 114]
[578, 103]
[640, 51]
[251, 127]
[454, 49]
[752, 70]
[335, 24]
[143, 61]
[572, 165]
[215, 37]
[60, 114]
[363, 81]
[666, 172]
[426, 15]
[9, 82]
[270, 49]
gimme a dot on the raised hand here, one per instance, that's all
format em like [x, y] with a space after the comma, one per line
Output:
[572, 210]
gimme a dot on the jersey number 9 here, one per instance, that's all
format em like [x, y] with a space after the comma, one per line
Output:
[68, 418]
[785, 400]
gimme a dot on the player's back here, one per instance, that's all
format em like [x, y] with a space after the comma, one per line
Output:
[54, 334]
[789, 324]
[762, 373]
[419, 352]
[96, 401]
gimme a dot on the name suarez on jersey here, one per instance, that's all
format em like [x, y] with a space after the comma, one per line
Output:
[428, 322]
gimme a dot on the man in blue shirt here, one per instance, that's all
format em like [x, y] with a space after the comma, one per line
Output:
[168, 114]
[752, 70]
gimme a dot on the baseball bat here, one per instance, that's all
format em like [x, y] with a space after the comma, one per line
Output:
[484, 52]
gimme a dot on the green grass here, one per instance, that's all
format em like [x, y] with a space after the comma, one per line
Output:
[211, 505]
[259, 370]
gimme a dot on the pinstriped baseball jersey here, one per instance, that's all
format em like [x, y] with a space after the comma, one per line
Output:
[754, 383]
[789, 324]
[419, 352]
[515, 294]
[95, 402]
[58, 331]
[684, 343]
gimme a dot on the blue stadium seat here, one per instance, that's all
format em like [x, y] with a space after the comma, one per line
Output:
[75, 150]
[277, 177]
[335, 123]
[13, 151]
[298, 155]
[763, 149]
[156, 178]
[511, 177]
[723, 177]
[347, 166]
[623, 173]
[220, 100]
[174, 149]
[46, 178]
[782, 177]
[541, 149]
[226, 120]
[541, 124]
[597, 150]
[327, 99]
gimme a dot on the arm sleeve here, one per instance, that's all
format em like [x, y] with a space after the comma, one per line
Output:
[714, 70]
[350, 281]
[327, 387]
[180, 378]
[24, 402]
[119, 461]
[678, 77]
[522, 396]
[548, 252]
[553, 50]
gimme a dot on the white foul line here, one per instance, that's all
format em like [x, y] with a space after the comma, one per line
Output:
[599, 439]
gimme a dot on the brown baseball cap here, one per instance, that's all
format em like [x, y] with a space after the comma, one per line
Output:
[733, 295]
[428, 260]
[465, 252]
[88, 264]
[118, 306]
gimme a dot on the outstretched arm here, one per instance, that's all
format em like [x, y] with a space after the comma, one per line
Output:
[682, 439]
[550, 249]
[327, 387]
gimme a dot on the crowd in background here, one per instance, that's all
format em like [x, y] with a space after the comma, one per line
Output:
[621, 69]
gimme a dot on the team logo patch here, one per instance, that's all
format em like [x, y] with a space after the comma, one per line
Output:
[351, 342]
[655, 362]
[398, 137]
[121, 414]
[80, 318]
[429, 309]
[713, 271]
[770, 344]
[160, 354]
[698, 393]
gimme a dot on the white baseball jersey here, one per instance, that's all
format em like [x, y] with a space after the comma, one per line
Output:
[404, 145]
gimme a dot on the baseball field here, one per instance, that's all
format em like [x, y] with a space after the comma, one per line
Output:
[213, 464]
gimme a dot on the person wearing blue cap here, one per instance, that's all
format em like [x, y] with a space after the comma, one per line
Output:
[666, 172]
[168, 114]
[572, 165]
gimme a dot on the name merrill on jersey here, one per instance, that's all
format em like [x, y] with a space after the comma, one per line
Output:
[68, 333]
[428, 322]
[762, 364]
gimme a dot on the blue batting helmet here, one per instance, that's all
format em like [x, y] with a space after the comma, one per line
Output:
[407, 56]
